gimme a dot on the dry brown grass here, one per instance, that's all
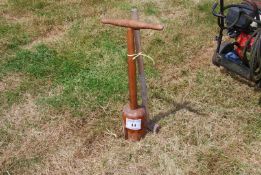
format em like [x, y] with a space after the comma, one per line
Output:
[10, 82]
[37, 134]
[51, 36]
[209, 119]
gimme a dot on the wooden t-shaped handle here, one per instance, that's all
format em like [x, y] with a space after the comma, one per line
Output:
[132, 24]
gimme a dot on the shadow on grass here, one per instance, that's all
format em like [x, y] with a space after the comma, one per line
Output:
[177, 107]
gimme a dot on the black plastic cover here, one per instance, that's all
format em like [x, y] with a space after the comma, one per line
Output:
[235, 18]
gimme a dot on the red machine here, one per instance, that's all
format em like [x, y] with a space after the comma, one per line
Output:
[242, 43]
[243, 25]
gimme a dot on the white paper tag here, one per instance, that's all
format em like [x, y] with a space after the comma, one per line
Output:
[133, 124]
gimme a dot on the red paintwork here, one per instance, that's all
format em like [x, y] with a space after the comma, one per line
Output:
[242, 41]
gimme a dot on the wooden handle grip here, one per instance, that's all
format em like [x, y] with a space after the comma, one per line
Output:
[132, 24]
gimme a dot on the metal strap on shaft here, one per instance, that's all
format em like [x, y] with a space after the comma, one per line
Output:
[151, 126]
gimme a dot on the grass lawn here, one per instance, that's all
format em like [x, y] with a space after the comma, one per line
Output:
[63, 83]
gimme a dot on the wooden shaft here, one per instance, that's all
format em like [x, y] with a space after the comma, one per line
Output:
[132, 24]
[132, 70]
[138, 48]
[142, 77]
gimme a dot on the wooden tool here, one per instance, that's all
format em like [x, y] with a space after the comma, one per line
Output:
[134, 116]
